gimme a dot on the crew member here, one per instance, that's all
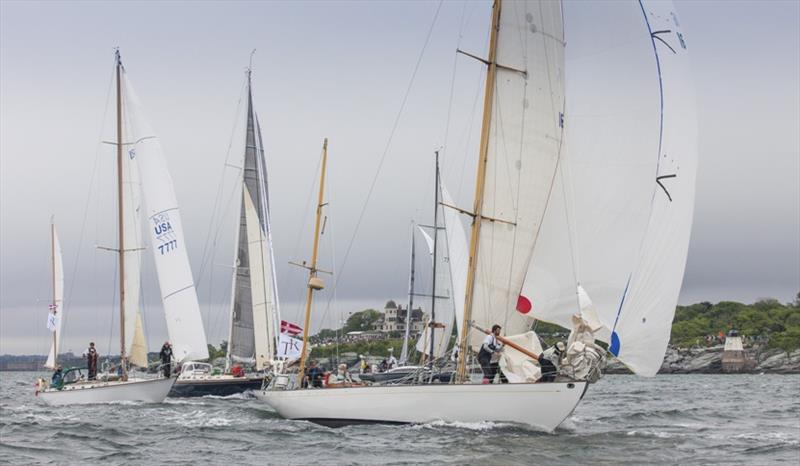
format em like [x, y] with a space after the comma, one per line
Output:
[91, 361]
[391, 363]
[550, 360]
[489, 348]
[314, 375]
[166, 358]
[340, 378]
[57, 381]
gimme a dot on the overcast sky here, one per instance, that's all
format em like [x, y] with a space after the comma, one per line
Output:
[341, 70]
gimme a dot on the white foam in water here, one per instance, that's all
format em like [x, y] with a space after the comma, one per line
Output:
[481, 426]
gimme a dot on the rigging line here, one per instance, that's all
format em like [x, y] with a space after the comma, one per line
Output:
[453, 83]
[89, 194]
[220, 187]
[388, 145]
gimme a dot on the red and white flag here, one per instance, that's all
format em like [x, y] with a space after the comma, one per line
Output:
[290, 328]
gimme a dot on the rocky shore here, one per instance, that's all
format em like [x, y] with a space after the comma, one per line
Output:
[709, 361]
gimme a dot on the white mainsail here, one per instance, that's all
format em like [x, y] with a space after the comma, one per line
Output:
[457, 256]
[443, 294]
[524, 145]
[58, 299]
[175, 280]
[255, 315]
[261, 298]
[134, 245]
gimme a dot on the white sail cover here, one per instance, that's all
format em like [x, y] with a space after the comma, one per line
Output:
[134, 244]
[262, 298]
[163, 220]
[58, 300]
[525, 133]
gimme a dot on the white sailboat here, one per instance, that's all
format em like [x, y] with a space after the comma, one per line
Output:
[141, 169]
[254, 311]
[521, 149]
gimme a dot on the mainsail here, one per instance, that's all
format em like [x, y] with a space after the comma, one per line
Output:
[57, 306]
[254, 311]
[452, 257]
[178, 294]
[525, 100]
[134, 245]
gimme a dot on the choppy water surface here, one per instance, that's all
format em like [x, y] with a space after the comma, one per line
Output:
[709, 419]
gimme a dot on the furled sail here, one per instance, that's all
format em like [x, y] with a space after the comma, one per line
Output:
[176, 283]
[254, 310]
[58, 299]
[524, 145]
[644, 320]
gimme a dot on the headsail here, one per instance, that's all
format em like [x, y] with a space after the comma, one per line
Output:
[644, 320]
[137, 354]
[178, 293]
[254, 310]
[457, 256]
[523, 146]
[57, 306]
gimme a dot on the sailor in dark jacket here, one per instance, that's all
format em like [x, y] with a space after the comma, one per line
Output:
[166, 358]
[91, 361]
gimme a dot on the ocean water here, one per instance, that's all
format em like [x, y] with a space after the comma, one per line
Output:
[678, 419]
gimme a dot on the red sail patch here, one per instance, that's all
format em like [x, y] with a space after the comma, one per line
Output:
[524, 304]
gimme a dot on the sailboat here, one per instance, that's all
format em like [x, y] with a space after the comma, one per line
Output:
[254, 312]
[520, 152]
[141, 170]
[449, 271]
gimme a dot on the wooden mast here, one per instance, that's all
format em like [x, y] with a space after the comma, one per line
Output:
[312, 268]
[480, 182]
[55, 302]
[123, 358]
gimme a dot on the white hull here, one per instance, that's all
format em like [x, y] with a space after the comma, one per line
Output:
[145, 390]
[543, 406]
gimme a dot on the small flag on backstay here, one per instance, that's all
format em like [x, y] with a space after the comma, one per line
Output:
[290, 328]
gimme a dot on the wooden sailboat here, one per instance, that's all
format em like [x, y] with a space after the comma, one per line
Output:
[522, 133]
[254, 312]
[139, 153]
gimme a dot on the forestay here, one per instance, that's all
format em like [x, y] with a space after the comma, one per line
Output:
[163, 220]
[524, 144]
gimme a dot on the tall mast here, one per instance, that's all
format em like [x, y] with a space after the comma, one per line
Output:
[313, 281]
[55, 302]
[404, 353]
[432, 324]
[123, 358]
[480, 182]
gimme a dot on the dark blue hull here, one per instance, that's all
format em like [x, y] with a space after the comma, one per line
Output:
[220, 387]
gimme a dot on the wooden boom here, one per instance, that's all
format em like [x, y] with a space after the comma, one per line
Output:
[510, 343]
